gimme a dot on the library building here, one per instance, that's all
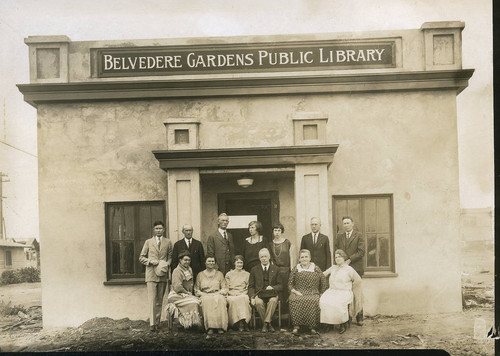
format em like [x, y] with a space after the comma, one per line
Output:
[277, 128]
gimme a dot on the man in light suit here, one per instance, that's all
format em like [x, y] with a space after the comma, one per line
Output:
[353, 244]
[220, 245]
[156, 255]
[318, 244]
[195, 249]
[264, 285]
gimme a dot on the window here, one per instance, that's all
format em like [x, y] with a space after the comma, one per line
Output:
[8, 258]
[181, 137]
[373, 217]
[128, 225]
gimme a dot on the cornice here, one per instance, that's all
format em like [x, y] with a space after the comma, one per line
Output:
[246, 157]
[277, 85]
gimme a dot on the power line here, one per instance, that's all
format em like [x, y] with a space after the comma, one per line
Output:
[31, 154]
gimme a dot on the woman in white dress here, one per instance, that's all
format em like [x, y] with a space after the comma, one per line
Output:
[334, 303]
[239, 311]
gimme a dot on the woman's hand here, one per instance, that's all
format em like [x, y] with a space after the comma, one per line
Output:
[296, 292]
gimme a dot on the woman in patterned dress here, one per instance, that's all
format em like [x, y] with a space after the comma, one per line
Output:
[280, 256]
[334, 303]
[306, 284]
[182, 304]
[239, 311]
[252, 245]
[211, 288]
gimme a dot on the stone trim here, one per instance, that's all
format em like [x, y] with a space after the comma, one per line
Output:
[36, 94]
[246, 157]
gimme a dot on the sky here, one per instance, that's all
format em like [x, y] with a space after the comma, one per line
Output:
[126, 19]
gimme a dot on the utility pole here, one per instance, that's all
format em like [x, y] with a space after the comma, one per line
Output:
[2, 223]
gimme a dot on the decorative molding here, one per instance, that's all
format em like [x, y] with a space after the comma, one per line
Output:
[246, 157]
[39, 93]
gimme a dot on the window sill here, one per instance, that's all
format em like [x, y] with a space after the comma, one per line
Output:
[382, 274]
[124, 281]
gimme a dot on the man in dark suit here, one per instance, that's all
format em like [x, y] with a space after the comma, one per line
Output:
[220, 245]
[156, 255]
[263, 287]
[353, 244]
[195, 249]
[318, 244]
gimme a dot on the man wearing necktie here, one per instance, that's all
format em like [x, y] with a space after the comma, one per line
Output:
[318, 244]
[156, 255]
[264, 285]
[195, 249]
[353, 244]
[220, 245]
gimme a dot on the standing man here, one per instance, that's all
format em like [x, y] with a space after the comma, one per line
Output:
[318, 245]
[264, 285]
[353, 244]
[195, 249]
[220, 245]
[156, 255]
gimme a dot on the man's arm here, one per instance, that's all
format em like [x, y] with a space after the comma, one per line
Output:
[175, 254]
[201, 253]
[143, 257]
[211, 246]
[169, 252]
[302, 242]
[328, 253]
[278, 286]
[361, 250]
[251, 285]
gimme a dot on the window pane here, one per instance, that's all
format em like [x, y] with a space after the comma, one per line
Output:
[340, 210]
[354, 211]
[384, 251]
[121, 222]
[122, 257]
[8, 258]
[371, 250]
[370, 215]
[383, 216]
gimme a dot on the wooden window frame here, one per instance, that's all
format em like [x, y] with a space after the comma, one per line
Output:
[137, 278]
[360, 226]
[8, 252]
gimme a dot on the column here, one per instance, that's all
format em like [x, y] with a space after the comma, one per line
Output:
[311, 199]
[184, 202]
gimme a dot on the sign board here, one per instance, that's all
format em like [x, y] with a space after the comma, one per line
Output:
[276, 56]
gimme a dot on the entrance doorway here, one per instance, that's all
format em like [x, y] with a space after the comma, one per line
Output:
[245, 207]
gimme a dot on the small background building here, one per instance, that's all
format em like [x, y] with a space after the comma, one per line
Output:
[31, 251]
[12, 255]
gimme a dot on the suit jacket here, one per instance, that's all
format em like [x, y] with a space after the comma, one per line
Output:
[256, 280]
[195, 250]
[151, 253]
[320, 252]
[354, 247]
[222, 250]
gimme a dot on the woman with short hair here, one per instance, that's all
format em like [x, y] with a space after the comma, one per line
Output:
[182, 304]
[345, 283]
[211, 288]
[305, 285]
[239, 311]
[252, 245]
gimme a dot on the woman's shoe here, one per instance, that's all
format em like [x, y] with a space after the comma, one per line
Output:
[220, 331]
[240, 325]
[295, 330]
[342, 329]
[210, 332]
[313, 331]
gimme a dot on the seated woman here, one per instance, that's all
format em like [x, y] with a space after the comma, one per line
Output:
[334, 303]
[252, 245]
[239, 304]
[211, 288]
[182, 304]
[306, 284]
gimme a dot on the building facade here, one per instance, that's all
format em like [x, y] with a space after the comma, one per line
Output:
[274, 128]
[12, 256]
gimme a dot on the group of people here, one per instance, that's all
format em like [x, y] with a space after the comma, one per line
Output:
[218, 290]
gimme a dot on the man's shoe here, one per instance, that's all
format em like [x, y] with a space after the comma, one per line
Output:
[264, 328]
[271, 329]
[153, 328]
[359, 322]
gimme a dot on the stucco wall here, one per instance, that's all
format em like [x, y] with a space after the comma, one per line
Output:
[399, 143]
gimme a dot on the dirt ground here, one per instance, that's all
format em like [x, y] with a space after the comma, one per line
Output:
[453, 332]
